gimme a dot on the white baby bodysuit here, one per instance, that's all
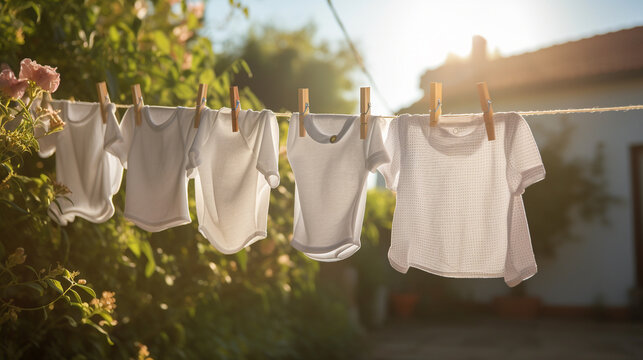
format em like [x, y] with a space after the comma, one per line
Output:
[459, 210]
[331, 164]
[156, 156]
[82, 163]
[234, 177]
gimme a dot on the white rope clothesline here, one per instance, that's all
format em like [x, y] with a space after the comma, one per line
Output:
[524, 113]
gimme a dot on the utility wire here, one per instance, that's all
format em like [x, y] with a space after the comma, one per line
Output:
[358, 58]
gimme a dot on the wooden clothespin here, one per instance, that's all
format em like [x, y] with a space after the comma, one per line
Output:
[201, 96]
[235, 107]
[137, 100]
[304, 108]
[435, 102]
[365, 110]
[487, 110]
[103, 99]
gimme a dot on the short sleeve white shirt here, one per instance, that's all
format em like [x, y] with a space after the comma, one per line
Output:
[155, 155]
[331, 164]
[82, 163]
[459, 210]
[235, 175]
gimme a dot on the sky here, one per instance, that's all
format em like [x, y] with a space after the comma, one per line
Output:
[399, 40]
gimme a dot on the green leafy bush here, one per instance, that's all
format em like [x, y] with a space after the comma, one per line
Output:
[178, 298]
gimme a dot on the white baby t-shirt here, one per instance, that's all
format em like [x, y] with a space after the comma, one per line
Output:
[234, 177]
[459, 210]
[155, 155]
[331, 164]
[82, 163]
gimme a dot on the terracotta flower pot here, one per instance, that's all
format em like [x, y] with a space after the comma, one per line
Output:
[517, 307]
[404, 304]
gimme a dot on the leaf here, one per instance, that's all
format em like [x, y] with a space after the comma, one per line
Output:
[99, 329]
[246, 67]
[71, 320]
[134, 244]
[32, 269]
[87, 289]
[14, 205]
[107, 317]
[76, 295]
[60, 209]
[162, 41]
[36, 287]
[206, 76]
[242, 257]
[55, 284]
[79, 305]
[146, 248]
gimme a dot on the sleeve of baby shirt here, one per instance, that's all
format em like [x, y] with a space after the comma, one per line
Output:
[376, 153]
[121, 146]
[267, 148]
[112, 130]
[524, 165]
[208, 117]
[391, 169]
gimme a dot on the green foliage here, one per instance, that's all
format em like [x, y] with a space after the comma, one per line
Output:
[282, 62]
[178, 298]
[24, 202]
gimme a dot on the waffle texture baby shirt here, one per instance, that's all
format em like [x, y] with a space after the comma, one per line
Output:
[82, 163]
[156, 156]
[236, 172]
[331, 164]
[459, 210]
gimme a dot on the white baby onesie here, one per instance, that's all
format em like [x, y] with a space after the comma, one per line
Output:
[155, 155]
[92, 174]
[331, 164]
[234, 177]
[459, 210]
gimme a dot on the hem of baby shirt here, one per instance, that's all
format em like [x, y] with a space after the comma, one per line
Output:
[69, 215]
[523, 275]
[323, 249]
[253, 238]
[377, 159]
[340, 254]
[455, 275]
[159, 225]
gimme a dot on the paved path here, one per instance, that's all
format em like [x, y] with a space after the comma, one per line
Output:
[506, 339]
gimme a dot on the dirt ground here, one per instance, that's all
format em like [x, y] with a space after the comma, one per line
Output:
[507, 339]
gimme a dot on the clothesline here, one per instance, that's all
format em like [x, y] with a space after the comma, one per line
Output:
[524, 113]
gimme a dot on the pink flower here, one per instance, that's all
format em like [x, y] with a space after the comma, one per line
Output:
[183, 33]
[44, 76]
[9, 85]
[187, 61]
[198, 9]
